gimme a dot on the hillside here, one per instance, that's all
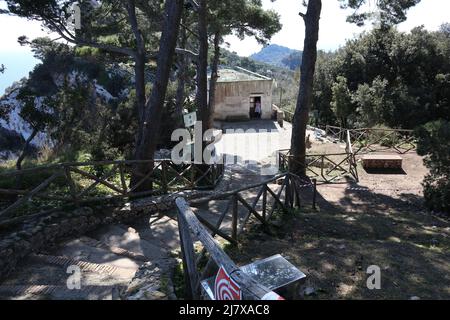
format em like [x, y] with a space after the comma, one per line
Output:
[14, 129]
[279, 56]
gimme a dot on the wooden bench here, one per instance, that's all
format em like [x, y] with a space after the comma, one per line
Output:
[382, 161]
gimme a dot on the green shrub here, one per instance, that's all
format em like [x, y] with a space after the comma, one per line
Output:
[434, 144]
[437, 194]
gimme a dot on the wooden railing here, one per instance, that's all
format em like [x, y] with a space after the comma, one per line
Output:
[193, 226]
[78, 183]
[370, 140]
[337, 133]
[326, 167]
[366, 140]
[189, 225]
[265, 204]
[288, 116]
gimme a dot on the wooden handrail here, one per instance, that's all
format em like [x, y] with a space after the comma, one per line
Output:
[251, 289]
[227, 194]
[112, 179]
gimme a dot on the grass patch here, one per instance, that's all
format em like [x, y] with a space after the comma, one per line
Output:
[178, 281]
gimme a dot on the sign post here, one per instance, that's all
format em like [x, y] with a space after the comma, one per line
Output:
[190, 119]
[225, 288]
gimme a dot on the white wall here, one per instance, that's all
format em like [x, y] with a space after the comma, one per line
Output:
[233, 99]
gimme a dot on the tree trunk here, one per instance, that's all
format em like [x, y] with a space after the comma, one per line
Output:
[24, 152]
[147, 146]
[22, 156]
[139, 68]
[202, 65]
[301, 116]
[183, 65]
[214, 76]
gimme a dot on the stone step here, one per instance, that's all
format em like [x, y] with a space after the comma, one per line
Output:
[129, 239]
[85, 266]
[52, 292]
[78, 250]
[160, 230]
[116, 250]
[108, 259]
[35, 272]
[45, 270]
[46, 277]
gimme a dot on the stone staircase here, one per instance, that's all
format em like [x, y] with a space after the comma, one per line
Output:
[108, 259]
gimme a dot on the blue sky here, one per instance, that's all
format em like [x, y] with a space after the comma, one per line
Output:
[334, 31]
[18, 65]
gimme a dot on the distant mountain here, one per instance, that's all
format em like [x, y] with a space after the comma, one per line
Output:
[279, 56]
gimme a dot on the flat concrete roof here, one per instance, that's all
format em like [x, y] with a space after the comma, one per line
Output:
[231, 75]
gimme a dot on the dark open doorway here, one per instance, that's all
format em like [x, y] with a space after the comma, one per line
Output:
[255, 108]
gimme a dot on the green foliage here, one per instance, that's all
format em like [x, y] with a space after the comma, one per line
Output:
[323, 82]
[434, 144]
[243, 18]
[396, 79]
[178, 280]
[59, 97]
[371, 101]
[341, 102]
[389, 11]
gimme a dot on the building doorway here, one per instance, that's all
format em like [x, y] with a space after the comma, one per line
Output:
[255, 108]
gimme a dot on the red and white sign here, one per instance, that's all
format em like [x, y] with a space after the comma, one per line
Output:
[225, 288]
[272, 296]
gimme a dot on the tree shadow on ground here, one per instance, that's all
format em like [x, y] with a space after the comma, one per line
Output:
[336, 244]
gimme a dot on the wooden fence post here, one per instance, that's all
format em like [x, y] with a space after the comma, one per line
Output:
[314, 194]
[192, 175]
[264, 203]
[72, 187]
[287, 192]
[294, 192]
[322, 165]
[189, 263]
[122, 178]
[165, 187]
[235, 218]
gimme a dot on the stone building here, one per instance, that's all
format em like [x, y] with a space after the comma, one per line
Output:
[238, 92]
